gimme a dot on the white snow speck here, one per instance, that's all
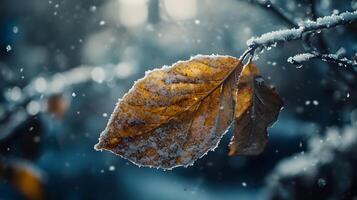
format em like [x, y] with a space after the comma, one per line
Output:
[15, 29]
[321, 182]
[102, 23]
[8, 48]
[111, 168]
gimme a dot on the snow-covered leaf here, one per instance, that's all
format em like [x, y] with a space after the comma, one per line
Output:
[176, 114]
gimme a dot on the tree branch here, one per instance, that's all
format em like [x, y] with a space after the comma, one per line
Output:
[309, 26]
[63, 81]
[322, 43]
[299, 59]
[285, 35]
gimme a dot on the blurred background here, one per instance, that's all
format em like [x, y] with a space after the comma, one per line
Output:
[64, 64]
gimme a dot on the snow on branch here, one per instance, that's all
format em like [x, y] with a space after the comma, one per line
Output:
[330, 58]
[300, 58]
[271, 38]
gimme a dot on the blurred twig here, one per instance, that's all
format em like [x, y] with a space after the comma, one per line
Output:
[63, 81]
[275, 10]
[324, 48]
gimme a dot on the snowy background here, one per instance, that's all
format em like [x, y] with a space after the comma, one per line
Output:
[93, 50]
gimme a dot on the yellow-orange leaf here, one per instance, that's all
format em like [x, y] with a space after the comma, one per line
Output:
[176, 114]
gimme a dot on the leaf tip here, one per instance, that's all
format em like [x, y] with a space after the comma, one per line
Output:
[98, 147]
[106, 142]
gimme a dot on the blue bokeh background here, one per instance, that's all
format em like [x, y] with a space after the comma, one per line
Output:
[93, 50]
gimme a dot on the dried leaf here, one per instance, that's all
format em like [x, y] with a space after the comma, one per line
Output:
[175, 114]
[257, 107]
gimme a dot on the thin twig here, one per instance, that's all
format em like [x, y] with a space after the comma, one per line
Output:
[310, 26]
[324, 48]
[275, 10]
[285, 35]
[329, 58]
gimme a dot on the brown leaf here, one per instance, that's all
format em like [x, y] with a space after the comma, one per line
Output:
[26, 178]
[175, 114]
[257, 107]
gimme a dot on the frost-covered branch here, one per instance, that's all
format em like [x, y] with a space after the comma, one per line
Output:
[299, 59]
[271, 38]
